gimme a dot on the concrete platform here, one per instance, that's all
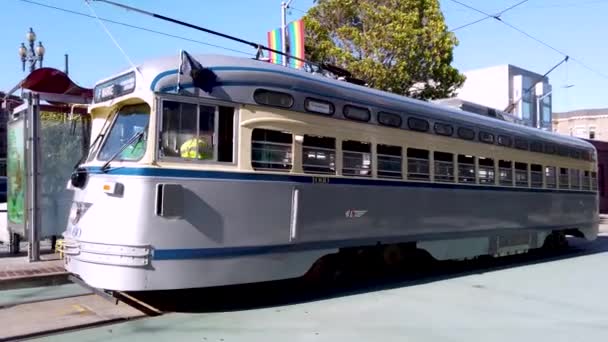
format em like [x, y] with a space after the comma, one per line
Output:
[17, 272]
[560, 298]
[26, 320]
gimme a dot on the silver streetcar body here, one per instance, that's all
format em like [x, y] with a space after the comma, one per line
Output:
[264, 207]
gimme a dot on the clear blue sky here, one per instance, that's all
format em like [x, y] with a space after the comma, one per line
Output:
[576, 27]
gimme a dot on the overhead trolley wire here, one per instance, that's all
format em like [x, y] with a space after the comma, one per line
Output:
[488, 16]
[497, 17]
[135, 27]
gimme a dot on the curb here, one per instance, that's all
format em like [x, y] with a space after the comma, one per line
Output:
[39, 280]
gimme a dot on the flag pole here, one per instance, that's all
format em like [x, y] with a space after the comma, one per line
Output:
[179, 71]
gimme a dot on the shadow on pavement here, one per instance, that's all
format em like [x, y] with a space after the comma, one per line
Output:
[294, 291]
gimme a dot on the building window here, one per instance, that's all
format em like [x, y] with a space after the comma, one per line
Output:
[271, 150]
[356, 158]
[319, 155]
[417, 164]
[444, 167]
[591, 133]
[389, 161]
[526, 110]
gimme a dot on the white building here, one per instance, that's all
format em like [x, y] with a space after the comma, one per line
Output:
[505, 88]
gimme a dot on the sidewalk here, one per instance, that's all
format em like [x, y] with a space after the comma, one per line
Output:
[18, 272]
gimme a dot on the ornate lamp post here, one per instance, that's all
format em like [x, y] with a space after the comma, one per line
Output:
[33, 54]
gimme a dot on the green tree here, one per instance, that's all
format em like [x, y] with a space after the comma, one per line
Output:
[401, 46]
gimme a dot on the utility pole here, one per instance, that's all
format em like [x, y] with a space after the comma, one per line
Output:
[66, 63]
[284, 7]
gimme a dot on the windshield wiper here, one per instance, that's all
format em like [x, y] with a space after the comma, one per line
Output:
[136, 138]
[93, 145]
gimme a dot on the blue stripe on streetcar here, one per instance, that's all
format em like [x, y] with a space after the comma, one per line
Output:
[265, 177]
[231, 252]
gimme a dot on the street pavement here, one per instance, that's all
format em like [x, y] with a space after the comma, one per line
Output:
[526, 298]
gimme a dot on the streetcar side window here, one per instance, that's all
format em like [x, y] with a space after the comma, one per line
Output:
[466, 169]
[444, 166]
[356, 158]
[593, 180]
[521, 174]
[586, 181]
[536, 176]
[550, 177]
[486, 171]
[486, 137]
[197, 132]
[563, 178]
[505, 172]
[575, 179]
[225, 134]
[178, 127]
[418, 164]
[389, 161]
[271, 150]
[319, 155]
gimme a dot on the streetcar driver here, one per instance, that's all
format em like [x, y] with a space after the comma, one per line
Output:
[196, 148]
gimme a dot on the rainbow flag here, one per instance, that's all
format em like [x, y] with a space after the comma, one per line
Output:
[275, 42]
[295, 32]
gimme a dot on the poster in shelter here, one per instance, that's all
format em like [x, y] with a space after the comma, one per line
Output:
[16, 172]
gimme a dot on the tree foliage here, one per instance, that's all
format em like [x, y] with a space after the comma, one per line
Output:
[401, 46]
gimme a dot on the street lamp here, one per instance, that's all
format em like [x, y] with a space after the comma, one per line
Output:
[32, 55]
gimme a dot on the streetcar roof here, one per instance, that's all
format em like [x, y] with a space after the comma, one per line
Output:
[160, 74]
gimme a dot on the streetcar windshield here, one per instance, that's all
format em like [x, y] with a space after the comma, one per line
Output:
[130, 120]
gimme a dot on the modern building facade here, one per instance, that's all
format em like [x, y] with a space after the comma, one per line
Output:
[589, 124]
[507, 88]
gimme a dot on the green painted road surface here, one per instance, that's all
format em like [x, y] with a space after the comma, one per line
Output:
[36, 294]
[560, 300]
